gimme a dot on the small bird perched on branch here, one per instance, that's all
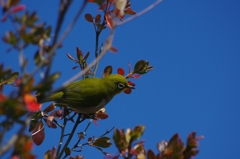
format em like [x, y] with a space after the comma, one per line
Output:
[89, 95]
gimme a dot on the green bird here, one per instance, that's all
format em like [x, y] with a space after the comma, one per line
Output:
[89, 95]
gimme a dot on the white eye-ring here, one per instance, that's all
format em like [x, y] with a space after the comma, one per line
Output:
[121, 86]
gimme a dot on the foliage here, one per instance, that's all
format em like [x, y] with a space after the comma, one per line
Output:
[129, 146]
[20, 108]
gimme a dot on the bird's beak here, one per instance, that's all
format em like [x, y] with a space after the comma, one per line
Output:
[129, 86]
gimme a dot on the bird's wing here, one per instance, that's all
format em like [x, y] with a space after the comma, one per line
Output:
[48, 98]
[86, 93]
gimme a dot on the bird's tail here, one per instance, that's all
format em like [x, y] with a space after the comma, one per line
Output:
[42, 98]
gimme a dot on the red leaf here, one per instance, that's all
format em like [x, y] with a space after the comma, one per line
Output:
[70, 57]
[4, 18]
[31, 103]
[136, 76]
[75, 67]
[130, 11]
[116, 157]
[28, 146]
[98, 18]
[86, 56]
[38, 134]
[79, 54]
[2, 97]
[127, 90]
[89, 17]
[120, 71]
[131, 83]
[95, 122]
[50, 108]
[15, 157]
[17, 8]
[113, 49]
[50, 154]
[150, 154]
[49, 121]
[104, 6]
[101, 115]
[89, 139]
[58, 114]
[109, 20]
[107, 71]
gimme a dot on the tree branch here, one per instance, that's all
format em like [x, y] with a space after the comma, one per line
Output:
[62, 135]
[15, 137]
[64, 5]
[140, 13]
[70, 136]
[57, 44]
[106, 48]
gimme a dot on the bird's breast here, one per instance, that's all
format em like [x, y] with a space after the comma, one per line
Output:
[90, 109]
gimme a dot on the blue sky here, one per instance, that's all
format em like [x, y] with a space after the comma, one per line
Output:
[194, 47]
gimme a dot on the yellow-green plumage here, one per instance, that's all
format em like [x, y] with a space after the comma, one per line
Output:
[89, 95]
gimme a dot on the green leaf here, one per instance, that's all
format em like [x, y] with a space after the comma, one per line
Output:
[137, 132]
[120, 140]
[67, 151]
[54, 77]
[107, 71]
[37, 58]
[103, 142]
[86, 56]
[10, 38]
[150, 154]
[33, 123]
[175, 147]
[79, 55]
[47, 155]
[142, 67]
[11, 3]
[99, 2]
[81, 135]
[47, 32]
[32, 19]
[100, 26]
[46, 85]
[7, 77]
[13, 77]
[192, 145]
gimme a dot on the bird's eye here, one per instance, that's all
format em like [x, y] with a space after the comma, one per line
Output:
[121, 86]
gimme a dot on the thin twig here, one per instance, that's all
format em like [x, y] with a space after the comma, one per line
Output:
[108, 131]
[96, 53]
[108, 44]
[62, 135]
[56, 122]
[57, 44]
[98, 32]
[15, 137]
[70, 136]
[64, 6]
[80, 138]
[139, 13]
[106, 48]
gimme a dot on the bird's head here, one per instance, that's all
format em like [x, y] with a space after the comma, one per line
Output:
[118, 82]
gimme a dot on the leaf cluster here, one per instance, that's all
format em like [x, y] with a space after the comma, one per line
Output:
[129, 147]
[21, 108]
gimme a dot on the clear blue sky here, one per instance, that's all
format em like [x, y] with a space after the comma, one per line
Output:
[194, 46]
